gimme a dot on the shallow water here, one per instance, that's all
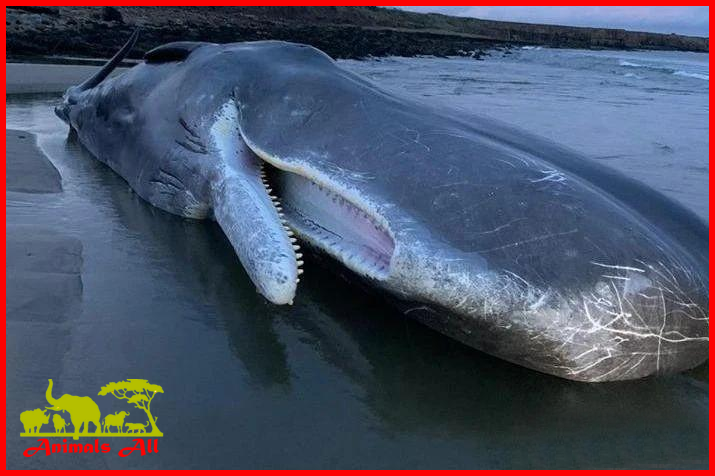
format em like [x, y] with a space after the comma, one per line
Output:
[340, 379]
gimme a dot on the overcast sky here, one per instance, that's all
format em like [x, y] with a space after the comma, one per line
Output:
[683, 20]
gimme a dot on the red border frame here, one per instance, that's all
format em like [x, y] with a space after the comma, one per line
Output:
[3, 346]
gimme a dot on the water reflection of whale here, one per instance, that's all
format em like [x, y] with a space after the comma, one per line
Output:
[415, 380]
[203, 263]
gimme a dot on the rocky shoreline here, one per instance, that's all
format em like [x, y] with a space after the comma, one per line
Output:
[342, 32]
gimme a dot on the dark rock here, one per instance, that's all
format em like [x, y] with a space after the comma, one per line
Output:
[42, 10]
[112, 14]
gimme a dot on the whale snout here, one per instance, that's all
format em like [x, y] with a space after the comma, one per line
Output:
[636, 321]
[627, 322]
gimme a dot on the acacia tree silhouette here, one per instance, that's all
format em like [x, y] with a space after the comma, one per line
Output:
[138, 392]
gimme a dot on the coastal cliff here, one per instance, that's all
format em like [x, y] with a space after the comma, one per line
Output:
[342, 32]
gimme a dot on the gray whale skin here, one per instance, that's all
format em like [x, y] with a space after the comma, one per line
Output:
[501, 240]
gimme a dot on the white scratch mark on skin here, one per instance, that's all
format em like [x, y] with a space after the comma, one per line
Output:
[677, 292]
[671, 336]
[634, 366]
[418, 308]
[507, 163]
[453, 184]
[614, 369]
[448, 133]
[540, 302]
[569, 340]
[573, 371]
[531, 240]
[416, 139]
[592, 349]
[660, 335]
[645, 296]
[613, 266]
[501, 227]
[346, 174]
[519, 278]
[551, 176]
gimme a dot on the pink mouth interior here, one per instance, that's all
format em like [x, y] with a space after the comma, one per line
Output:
[334, 224]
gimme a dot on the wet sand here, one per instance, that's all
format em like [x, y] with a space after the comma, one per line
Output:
[28, 78]
[27, 168]
[44, 284]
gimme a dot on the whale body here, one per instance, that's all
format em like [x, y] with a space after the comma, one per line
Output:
[502, 240]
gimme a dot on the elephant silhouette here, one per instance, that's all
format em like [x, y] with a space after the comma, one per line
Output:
[59, 423]
[82, 410]
[32, 420]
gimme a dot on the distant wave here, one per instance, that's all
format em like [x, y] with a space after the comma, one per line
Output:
[628, 64]
[705, 77]
[663, 69]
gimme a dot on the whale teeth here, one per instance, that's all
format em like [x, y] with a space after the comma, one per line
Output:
[271, 192]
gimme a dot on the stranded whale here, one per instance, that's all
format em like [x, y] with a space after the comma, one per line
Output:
[504, 241]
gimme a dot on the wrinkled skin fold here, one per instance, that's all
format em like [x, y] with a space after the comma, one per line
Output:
[504, 241]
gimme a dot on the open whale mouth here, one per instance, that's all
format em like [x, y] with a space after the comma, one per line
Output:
[261, 201]
[322, 216]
